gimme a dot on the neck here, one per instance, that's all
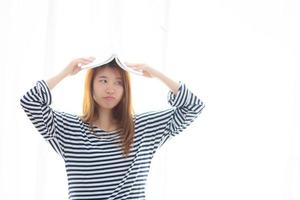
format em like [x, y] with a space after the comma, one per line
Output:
[106, 121]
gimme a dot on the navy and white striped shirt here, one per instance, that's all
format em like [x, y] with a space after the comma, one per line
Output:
[95, 166]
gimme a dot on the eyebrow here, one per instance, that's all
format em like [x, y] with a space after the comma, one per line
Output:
[107, 77]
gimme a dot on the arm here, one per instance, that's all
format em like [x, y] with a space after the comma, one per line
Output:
[36, 104]
[72, 69]
[173, 86]
[185, 108]
[153, 73]
[52, 82]
[49, 123]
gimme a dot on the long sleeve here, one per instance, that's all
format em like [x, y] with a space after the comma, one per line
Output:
[161, 125]
[49, 123]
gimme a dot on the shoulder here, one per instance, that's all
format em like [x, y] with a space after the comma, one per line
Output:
[150, 115]
[72, 119]
[75, 123]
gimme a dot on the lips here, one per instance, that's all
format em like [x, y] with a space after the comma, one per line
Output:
[109, 98]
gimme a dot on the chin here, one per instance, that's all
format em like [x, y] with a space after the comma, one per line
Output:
[107, 107]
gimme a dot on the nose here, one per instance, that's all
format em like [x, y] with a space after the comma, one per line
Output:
[110, 89]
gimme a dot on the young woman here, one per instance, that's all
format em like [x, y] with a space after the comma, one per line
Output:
[108, 150]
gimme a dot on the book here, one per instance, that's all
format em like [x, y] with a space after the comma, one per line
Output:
[99, 61]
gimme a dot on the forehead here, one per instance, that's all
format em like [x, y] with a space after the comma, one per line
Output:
[108, 72]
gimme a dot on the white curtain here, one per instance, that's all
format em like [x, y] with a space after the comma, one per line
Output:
[240, 57]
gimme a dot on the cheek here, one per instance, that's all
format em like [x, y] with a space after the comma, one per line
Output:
[120, 92]
[97, 92]
[98, 87]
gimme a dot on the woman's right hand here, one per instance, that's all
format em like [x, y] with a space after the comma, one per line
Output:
[75, 65]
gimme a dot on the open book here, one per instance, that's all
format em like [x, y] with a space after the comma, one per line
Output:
[102, 61]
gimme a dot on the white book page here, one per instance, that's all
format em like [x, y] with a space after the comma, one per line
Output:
[102, 60]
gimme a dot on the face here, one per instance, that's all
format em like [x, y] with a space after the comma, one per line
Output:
[108, 88]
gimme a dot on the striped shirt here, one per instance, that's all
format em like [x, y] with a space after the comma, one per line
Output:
[95, 166]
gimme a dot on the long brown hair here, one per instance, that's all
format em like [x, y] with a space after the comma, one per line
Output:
[123, 112]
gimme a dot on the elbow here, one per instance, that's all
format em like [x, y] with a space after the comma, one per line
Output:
[200, 107]
[22, 102]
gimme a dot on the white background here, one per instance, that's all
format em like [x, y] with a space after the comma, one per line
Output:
[240, 57]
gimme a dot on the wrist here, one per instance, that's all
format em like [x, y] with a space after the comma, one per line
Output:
[63, 74]
[156, 74]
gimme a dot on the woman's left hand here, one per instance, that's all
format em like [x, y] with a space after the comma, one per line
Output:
[146, 70]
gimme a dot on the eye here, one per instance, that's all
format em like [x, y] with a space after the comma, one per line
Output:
[103, 81]
[119, 82]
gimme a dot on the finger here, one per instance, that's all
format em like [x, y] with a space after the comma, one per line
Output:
[92, 57]
[83, 61]
[137, 69]
[80, 64]
[132, 64]
[89, 59]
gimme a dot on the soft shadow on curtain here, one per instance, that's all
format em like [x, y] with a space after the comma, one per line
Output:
[241, 58]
